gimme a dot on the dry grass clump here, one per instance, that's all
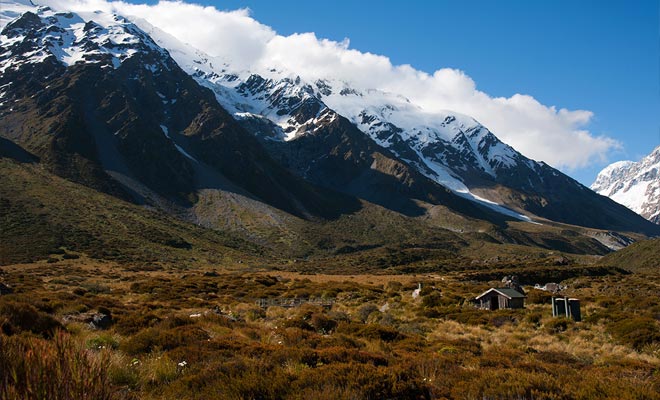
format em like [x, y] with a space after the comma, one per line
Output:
[34, 368]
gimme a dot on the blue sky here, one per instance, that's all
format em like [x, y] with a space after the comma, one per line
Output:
[601, 56]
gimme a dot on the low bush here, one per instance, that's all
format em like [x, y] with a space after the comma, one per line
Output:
[636, 332]
[557, 325]
[297, 323]
[322, 323]
[536, 296]
[151, 339]
[131, 323]
[380, 332]
[366, 310]
[534, 317]
[433, 299]
[18, 317]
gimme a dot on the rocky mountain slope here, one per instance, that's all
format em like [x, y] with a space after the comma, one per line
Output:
[291, 115]
[636, 185]
[100, 103]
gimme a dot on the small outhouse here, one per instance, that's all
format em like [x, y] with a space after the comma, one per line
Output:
[497, 298]
[565, 307]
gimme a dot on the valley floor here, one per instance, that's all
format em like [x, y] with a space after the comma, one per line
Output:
[198, 334]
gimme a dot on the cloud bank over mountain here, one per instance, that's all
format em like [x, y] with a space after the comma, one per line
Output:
[558, 136]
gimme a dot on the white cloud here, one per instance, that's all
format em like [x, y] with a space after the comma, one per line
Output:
[558, 137]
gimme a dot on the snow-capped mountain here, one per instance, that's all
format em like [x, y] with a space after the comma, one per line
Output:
[42, 35]
[279, 107]
[124, 98]
[636, 185]
[451, 149]
[100, 103]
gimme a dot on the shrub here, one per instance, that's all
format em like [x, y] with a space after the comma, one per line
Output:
[176, 321]
[249, 312]
[343, 355]
[142, 342]
[366, 310]
[129, 324]
[394, 286]
[500, 320]
[384, 333]
[557, 357]
[536, 296]
[636, 332]
[557, 325]
[534, 317]
[96, 288]
[297, 323]
[363, 381]
[433, 299]
[150, 339]
[322, 323]
[17, 317]
[464, 315]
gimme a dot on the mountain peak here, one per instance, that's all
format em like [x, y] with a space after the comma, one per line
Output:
[68, 38]
[636, 185]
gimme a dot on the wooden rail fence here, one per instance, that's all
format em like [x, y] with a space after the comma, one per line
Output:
[293, 302]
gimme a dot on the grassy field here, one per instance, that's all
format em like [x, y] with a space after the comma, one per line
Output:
[197, 334]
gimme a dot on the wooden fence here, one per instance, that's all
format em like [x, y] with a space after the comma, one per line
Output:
[293, 302]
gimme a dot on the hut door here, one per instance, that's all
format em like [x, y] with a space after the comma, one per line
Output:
[494, 303]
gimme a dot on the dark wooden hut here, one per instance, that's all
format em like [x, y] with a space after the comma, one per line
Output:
[497, 298]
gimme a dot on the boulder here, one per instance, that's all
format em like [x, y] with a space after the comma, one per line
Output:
[5, 289]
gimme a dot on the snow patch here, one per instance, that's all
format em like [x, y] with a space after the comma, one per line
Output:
[166, 132]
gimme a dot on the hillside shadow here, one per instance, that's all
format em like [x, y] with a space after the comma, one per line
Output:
[11, 150]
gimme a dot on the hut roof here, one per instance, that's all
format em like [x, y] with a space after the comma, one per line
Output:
[506, 292]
